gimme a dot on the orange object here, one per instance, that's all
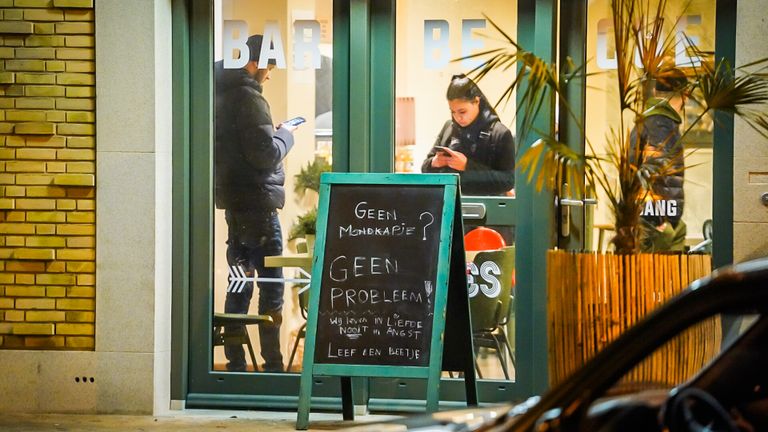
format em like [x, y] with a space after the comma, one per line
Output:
[482, 238]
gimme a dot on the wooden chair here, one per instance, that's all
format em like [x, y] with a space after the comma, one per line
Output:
[236, 331]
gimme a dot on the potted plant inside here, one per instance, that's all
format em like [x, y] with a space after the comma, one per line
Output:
[593, 297]
[308, 179]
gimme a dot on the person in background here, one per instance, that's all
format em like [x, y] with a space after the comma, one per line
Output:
[663, 159]
[249, 181]
[474, 143]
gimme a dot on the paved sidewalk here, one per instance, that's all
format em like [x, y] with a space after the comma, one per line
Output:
[187, 420]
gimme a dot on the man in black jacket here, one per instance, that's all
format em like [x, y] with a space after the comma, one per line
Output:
[662, 153]
[249, 181]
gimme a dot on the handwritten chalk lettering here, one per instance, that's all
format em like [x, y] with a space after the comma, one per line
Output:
[371, 352]
[348, 297]
[362, 211]
[340, 352]
[341, 266]
[410, 353]
[404, 333]
[399, 230]
[403, 323]
[361, 329]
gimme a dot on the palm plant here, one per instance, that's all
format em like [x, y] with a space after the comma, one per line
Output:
[623, 175]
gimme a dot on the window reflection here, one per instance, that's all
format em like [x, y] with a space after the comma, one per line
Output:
[266, 169]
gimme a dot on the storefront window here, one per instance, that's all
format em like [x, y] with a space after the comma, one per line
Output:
[272, 64]
[688, 23]
[432, 37]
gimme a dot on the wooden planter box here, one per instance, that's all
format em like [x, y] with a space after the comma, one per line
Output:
[592, 298]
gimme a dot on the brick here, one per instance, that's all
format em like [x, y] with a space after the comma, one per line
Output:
[25, 266]
[74, 180]
[35, 78]
[56, 291]
[14, 315]
[76, 242]
[7, 278]
[81, 142]
[55, 66]
[86, 205]
[81, 117]
[75, 53]
[26, 116]
[35, 128]
[81, 291]
[14, 241]
[81, 217]
[55, 267]
[66, 204]
[55, 116]
[55, 279]
[80, 342]
[32, 329]
[24, 166]
[76, 129]
[81, 316]
[6, 328]
[36, 204]
[87, 4]
[78, 92]
[7, 178]
[55, 167]
[35, 153]
[43, 15]
[75, 79]
[15, 89]
[46, 191]
[7, 78]
[34, 179]
[81, 167]
[74, 329]
[49, 342]
[6, 128]
[16, 27]
[75, 304]
[76, 255]
[80, 66]
[16, 228]
[45, 229]
[72, 229]
[45, 91]
[81, 192]
[33, 3]
[46, 316]
[79, 15]
[46, 141]
[35, 53]
[25, 65]
[6, 303]
[82, 104]
[74, 28]
[6, 3]
[7, 153]
[35, 103]
[36, 304]
[25, 279]
[81, 267]
[45, 41]
[7, 204]
[80, 41]
[49, 216]
[17, 216]
[86, 279]
[25, 291]
[6, 103]
[13, 342]
[44, 28]
[72, 154]
[33, 254]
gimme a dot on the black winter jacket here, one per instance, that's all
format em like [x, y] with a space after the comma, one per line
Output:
[490, 151]
[661, 129]
[248, 150]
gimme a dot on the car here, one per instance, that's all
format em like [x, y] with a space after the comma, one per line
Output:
[729, 393]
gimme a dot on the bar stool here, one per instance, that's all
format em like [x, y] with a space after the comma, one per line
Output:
[237, 332]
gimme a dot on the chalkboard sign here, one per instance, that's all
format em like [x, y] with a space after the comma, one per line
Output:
[388, 284]
[380, 261]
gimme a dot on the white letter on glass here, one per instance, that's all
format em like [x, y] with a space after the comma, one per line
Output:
[301, 46]
[232, 43]
[272, 46]
[441, 44]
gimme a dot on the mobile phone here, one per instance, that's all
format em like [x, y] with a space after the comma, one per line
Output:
[443, 149]
[295, 121]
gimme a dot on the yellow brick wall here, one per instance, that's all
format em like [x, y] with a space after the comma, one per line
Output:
[47, 175]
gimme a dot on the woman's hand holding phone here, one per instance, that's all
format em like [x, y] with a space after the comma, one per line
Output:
[450, 158]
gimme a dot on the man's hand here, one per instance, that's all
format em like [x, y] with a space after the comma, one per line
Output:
[450, 158]
[289, 127]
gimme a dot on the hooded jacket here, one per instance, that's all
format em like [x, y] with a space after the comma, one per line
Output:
[490, 151]
[661, 129]
[248, 167]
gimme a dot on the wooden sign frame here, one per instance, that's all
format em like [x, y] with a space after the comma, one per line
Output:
[451, 347]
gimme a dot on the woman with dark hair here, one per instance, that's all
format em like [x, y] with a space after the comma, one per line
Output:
[474, 144]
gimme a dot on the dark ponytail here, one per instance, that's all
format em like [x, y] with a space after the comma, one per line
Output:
[462, 87]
